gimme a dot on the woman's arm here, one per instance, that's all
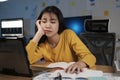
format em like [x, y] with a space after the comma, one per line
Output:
[32, 47]
[85, 57]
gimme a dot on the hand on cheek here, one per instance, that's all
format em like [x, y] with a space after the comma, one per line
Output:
[39, 27]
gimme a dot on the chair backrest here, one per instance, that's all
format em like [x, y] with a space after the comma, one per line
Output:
[97, 25]
[102, 45]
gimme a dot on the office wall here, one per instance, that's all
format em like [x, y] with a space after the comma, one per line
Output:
[30, 9]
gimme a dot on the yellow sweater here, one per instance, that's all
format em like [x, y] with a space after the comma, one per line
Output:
[68, 47]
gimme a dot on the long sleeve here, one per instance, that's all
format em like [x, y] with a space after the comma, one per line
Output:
[80, 49]
[33, 52]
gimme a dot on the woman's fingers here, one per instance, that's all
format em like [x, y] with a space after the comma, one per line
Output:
[76, 68]
[72, 69]
[38, 23]
[39, 27]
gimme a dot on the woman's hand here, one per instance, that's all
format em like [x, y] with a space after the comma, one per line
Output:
[39, 27]
[76, 67]
[39, 33]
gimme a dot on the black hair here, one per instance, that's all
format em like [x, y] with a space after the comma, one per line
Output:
[58, 13]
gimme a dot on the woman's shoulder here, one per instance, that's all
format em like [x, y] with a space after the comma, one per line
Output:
[68, 31]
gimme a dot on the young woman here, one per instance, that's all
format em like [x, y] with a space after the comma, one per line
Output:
[55, 43]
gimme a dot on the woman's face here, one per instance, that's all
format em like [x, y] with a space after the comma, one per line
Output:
[50, 24]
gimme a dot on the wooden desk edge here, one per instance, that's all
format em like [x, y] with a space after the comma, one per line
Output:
[104, 68]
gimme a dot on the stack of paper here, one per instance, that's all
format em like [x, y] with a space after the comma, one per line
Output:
[85, 74]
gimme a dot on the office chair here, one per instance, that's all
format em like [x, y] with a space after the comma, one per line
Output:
[101, 43]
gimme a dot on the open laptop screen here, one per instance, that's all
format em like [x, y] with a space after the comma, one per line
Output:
[13, 57]
[12, 27]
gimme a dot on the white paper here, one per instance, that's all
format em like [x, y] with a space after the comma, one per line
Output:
[111, 76]
[60, 64]
[117, 65]
[86, 73]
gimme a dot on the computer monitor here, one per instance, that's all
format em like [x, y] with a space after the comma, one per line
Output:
[77, 23]
[12, 27]
[97, 25]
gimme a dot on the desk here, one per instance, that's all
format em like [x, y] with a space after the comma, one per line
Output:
[10, 77]
[105, 69]
[97, 67]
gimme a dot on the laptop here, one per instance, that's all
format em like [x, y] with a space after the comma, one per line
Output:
[14, 60]
[11, 28]
[13, 57]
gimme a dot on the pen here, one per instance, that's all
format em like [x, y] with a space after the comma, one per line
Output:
[59, 77]
[81, 78]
